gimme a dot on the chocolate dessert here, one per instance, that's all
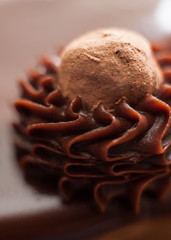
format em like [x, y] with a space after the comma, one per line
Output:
[96, 118]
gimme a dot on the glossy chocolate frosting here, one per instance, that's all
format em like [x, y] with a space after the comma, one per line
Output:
[117, 154]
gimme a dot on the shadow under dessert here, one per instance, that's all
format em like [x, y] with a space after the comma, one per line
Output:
[104, 150]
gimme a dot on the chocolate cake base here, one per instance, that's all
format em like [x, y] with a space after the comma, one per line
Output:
[28, 211]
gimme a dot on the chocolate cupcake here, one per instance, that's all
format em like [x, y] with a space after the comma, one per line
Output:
[96, 116]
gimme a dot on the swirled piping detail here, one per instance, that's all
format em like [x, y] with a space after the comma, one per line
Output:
[111, 154]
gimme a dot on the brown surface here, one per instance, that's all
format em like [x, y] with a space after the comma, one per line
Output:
[150, 229]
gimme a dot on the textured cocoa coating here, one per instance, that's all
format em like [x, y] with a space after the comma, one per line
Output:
[107, 65]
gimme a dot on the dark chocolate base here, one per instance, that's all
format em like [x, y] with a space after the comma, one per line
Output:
[27, 212]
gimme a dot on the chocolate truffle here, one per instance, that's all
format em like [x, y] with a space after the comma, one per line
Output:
[106, 65]
[97, 154]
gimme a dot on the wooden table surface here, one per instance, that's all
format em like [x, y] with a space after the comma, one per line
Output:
[157, 229]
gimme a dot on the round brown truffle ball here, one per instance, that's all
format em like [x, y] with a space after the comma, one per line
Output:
[106, 65]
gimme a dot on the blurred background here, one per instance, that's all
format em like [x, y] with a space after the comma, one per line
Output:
[31, 27]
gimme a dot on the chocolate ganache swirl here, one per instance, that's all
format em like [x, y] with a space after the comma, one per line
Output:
[118, 154]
